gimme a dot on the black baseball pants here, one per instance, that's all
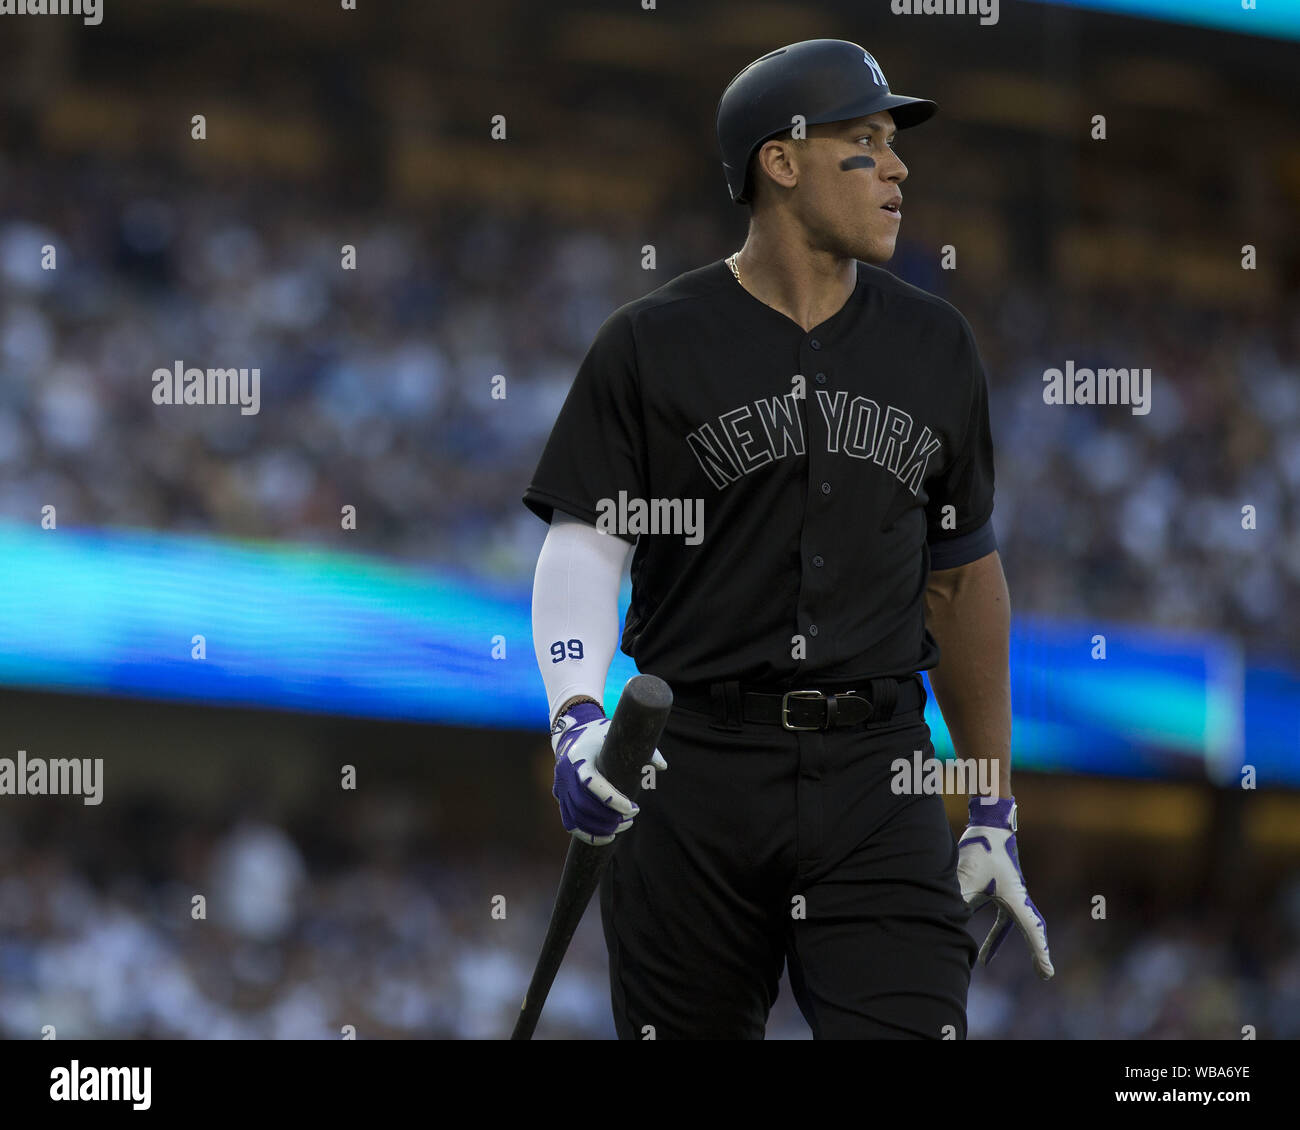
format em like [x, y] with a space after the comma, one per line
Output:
[766, 846]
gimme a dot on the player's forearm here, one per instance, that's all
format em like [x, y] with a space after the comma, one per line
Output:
[968, 611]
[572, 702]
[575, 611]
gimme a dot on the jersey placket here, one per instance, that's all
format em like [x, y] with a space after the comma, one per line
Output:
[815, 611]
[815, 605]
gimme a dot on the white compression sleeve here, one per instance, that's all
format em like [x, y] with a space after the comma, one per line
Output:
[575, 608]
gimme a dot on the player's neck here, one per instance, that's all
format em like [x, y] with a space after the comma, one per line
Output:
[806, 286]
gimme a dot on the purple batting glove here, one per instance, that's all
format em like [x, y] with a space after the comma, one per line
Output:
[590, 807]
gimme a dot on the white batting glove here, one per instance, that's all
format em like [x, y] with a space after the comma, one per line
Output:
[988, 868]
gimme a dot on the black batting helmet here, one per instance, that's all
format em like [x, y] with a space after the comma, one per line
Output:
[823, 80]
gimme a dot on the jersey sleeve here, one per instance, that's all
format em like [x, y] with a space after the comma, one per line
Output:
[967, 483]
[597, 447]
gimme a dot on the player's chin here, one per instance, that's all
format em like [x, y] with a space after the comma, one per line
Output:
[877, 248]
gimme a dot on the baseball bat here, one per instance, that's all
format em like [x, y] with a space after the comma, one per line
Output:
[633, 735]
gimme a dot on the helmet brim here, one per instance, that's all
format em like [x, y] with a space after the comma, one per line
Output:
[907, 111]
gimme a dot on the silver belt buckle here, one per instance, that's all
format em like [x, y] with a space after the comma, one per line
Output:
[785, 707]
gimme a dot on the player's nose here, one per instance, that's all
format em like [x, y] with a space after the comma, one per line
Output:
[894, 170]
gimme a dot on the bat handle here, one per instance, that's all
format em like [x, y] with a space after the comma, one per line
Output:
[629, 745]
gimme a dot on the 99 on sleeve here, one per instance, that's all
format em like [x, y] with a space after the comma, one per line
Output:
[560, 650]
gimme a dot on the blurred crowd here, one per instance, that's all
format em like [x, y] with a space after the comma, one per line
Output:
[431, 949]
[420, 386]
[378, 392]
[381, 389]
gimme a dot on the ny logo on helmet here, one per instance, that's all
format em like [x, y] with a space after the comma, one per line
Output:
[876, 72]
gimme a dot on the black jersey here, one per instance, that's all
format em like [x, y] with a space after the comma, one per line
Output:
[836, 467]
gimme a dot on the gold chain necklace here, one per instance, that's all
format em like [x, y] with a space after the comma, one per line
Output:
[735, 270]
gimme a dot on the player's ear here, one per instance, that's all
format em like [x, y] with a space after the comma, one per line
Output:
[777, 161]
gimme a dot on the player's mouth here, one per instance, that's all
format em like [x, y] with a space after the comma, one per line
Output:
[893, 207]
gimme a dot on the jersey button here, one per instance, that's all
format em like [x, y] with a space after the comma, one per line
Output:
[826, 488]
[815, 343]
[818, 561]
[821, 378]
[812, 629]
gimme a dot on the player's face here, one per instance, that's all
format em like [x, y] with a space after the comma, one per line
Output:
[848, 193]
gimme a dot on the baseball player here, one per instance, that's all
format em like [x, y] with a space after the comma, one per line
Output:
[797, 445]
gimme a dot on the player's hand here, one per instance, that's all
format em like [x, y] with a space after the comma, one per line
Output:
[988, 868]
[590, 807]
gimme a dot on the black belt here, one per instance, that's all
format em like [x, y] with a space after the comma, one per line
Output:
[730, 704]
